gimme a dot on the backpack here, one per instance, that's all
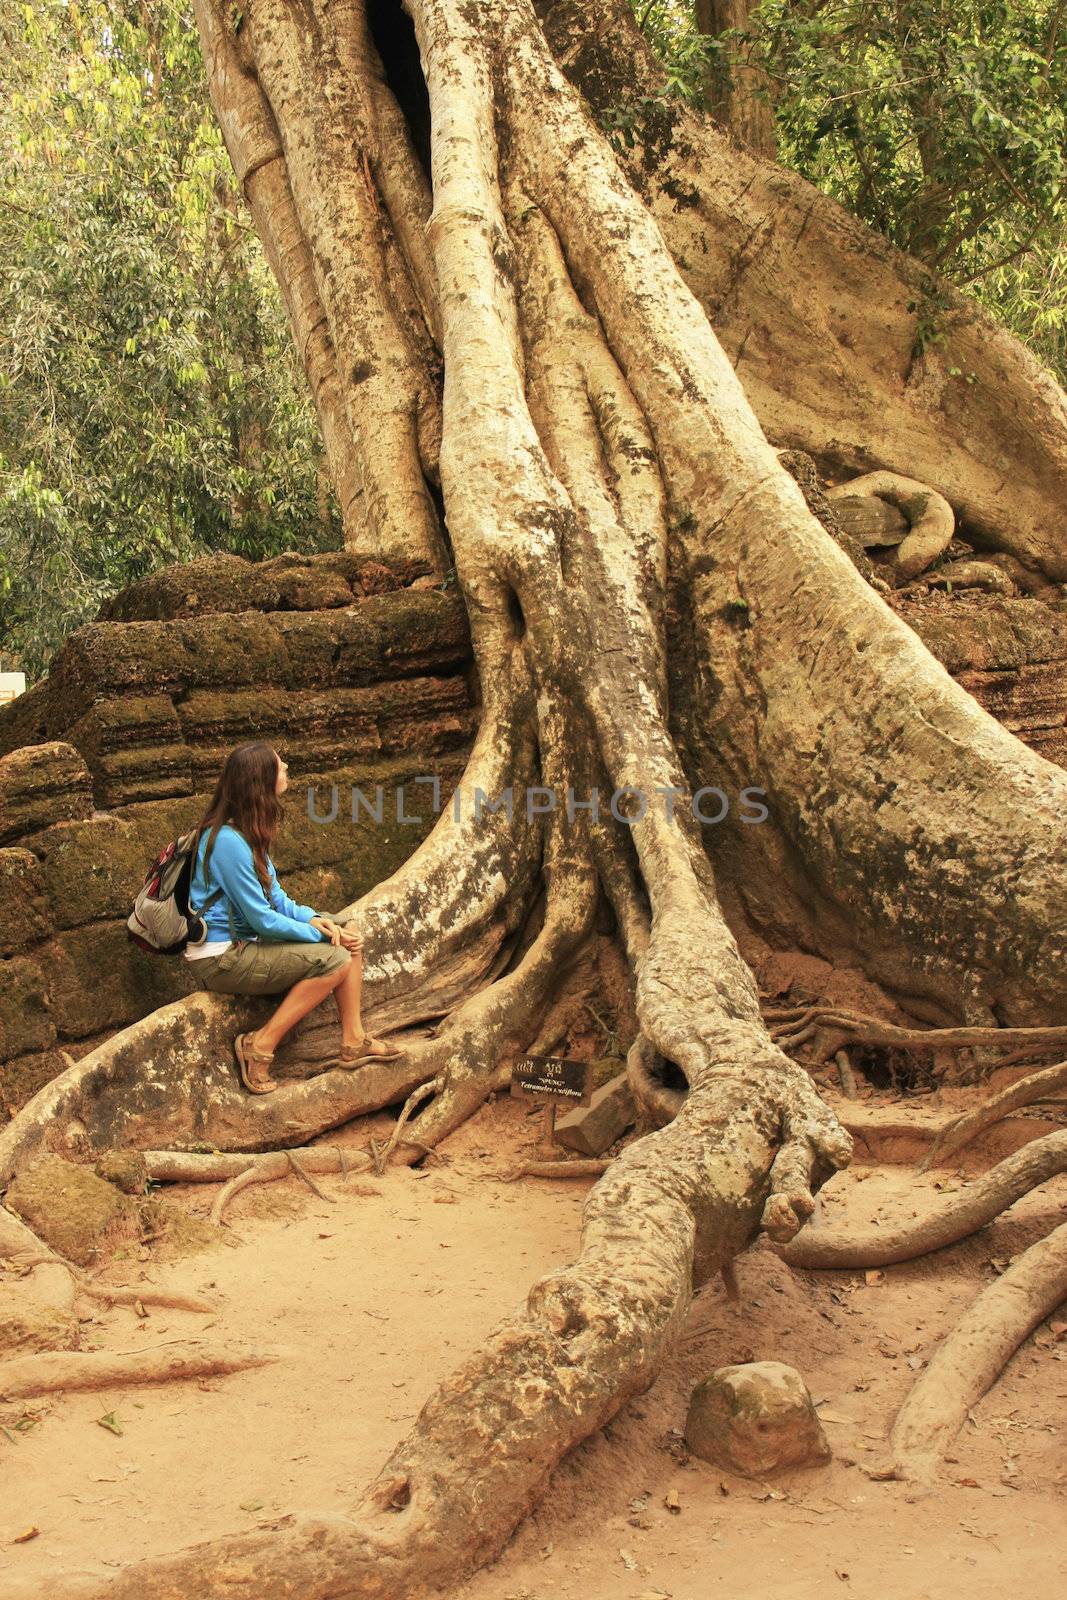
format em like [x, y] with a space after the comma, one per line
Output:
[162, 920]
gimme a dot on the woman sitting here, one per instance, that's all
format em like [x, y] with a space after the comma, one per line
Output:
[257, 940]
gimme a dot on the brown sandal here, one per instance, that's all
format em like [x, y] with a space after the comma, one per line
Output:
[353, 1056]
[247, 1059]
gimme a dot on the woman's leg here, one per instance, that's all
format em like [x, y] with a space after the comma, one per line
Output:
[349, 994]
[302, 998]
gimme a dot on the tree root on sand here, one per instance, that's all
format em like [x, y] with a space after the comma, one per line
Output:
[1050, 1083]
[54, 1371]
[115, 1294]
[829, 1249]
[796, 1029]
[558, 1169]
[975, 1353]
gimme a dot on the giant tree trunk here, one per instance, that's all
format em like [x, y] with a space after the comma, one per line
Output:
[738, 90]
[596, 471]
[845, 347]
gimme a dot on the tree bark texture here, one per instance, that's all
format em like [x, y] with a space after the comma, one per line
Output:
[845, 347]
[738, 90]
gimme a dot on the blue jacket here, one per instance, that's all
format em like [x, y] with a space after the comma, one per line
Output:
[232, 870]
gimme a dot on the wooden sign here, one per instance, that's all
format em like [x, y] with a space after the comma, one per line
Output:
[551, 1078]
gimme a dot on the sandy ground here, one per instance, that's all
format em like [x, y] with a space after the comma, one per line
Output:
[369, 1301]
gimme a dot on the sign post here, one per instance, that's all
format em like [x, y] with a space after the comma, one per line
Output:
[550, 1079]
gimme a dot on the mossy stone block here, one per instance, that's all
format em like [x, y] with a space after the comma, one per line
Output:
[233, 651]
[23, 1076]
[90, 870]
[98, 979]
[26, 1023]
[311, 588]
[187, 589]
[71, 1209]
[24, 918]
[112, 660]
[25, 720]
[41, 784]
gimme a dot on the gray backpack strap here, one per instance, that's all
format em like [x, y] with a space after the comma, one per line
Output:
[212, 899]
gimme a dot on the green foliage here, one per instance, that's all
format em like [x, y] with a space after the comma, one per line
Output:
[150, 406]
[942, 124]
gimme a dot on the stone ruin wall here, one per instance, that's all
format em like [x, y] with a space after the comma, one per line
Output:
[361, 675]
[1011, 654]
[358, 674]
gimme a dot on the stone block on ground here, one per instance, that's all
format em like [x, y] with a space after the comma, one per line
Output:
[72, 1210]
[592, 1129]
[754, 1419]
[126, 1169]
[41, 784]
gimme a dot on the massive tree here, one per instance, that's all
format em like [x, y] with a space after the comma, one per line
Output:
[567, 375]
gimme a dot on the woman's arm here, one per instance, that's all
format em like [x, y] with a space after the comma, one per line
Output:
[282, 902]
[234, 868]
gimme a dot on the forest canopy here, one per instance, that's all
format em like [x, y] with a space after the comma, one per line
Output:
[151, 404]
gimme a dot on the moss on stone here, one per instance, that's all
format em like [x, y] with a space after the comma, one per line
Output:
[24, 918]
[308, 588]
[25, 1023]
[125, 777]
[98, 979]
[40, 785]
[71, 1209]
[320, 887]
[174, 1232]
[90, 870]
[127, 720]
[23, 1076]
[419, 627]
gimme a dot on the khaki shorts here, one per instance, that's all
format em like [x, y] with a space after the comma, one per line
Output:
[268, 966]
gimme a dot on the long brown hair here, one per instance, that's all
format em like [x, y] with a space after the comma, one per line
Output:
[246, 797]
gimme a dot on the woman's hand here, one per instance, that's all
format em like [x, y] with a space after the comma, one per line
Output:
[347, 938]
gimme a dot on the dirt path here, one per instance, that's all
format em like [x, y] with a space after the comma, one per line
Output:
[371, 1300]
